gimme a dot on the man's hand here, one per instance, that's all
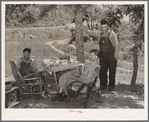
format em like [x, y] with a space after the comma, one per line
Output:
[116, 56]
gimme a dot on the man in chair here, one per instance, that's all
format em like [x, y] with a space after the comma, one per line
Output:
[85, 74]
[25, 67]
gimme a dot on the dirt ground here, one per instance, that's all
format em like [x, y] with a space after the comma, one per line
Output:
[108, 100]
[121, 98]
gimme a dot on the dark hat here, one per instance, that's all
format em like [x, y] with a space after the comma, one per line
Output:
[27, 49]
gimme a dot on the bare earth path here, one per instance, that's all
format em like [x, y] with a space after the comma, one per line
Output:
[121, 97]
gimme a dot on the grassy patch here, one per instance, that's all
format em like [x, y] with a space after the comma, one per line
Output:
[38, 33]
[40, 50]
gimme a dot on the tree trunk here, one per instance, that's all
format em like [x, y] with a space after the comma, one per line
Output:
[91, 24]
[135, 65]
[79, 34]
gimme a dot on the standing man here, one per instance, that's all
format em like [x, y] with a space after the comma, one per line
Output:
[109, 48]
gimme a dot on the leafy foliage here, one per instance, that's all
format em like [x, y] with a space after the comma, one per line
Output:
[30, 15]
[44, 9]
[14, 12]
[136, 15]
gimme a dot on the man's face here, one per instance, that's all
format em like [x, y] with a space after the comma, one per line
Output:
[104, 28]
[26, 55]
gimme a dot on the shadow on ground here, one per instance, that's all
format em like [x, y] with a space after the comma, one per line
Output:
[121, 98]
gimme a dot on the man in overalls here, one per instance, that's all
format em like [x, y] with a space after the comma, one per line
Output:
[109, 48]
[25, 67]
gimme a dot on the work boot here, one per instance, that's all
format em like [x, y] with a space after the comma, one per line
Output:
[57, 97]
[62, 97]
[111, 88]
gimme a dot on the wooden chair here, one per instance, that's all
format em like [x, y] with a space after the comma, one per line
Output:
[25, 83]
[74, 89]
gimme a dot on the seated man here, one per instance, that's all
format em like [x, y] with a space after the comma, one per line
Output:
[27, 66]
[86, 74]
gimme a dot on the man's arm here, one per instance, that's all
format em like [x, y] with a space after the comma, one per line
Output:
[116, 45]
[91, 33]
[18, 64]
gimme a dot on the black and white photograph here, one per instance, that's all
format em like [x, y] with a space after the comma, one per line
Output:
[65, 60]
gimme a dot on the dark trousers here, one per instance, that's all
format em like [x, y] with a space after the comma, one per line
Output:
[107, 62]
[45, 77]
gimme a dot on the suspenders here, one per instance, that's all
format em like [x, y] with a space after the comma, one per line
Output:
[105, 43]
[108, 34]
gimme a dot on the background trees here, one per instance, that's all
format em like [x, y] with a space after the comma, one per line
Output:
[13, 13]
[130, 33]
[136, 15]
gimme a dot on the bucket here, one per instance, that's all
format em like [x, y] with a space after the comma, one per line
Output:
[8, 85]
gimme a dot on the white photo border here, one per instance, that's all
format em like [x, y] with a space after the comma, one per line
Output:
[65, 114]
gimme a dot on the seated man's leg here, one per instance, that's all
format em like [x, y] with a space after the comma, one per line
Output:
[64, 79]
[62, 82]
[45, 83]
